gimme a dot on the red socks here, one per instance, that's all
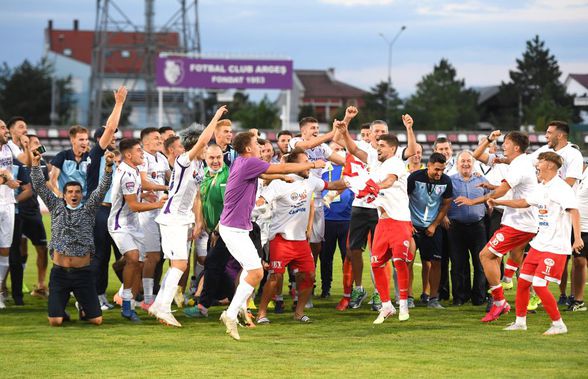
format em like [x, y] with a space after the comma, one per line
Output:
[497, 293]
[523, 295]
[510, 268]
[347, 277]
[548, 301]
[382, 283]
[402, 271]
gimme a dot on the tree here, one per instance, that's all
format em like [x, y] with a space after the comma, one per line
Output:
[381, 103]
[107, 105]
[534, 95]
[262, 115]
[442, 102]
[26, 91]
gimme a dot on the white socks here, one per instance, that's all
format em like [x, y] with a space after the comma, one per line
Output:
[148, 290]
[127, 294]
[4, 266]
[168, 288]
[521, 320]
[244, 290]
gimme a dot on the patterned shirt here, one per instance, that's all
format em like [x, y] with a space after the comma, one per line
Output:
[72, 231]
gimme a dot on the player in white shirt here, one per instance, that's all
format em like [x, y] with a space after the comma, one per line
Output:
[394, 229]
[291, 203]
[17, 127]
[123, 221]
[364, 216]
[154, 172]
[7, 186]
[579, 271]
[176, 219]
[556, 209]
[518, 226]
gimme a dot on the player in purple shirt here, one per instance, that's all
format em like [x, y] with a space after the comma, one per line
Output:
[235, 221]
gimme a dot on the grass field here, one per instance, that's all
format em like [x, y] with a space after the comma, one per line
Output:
[433, 343]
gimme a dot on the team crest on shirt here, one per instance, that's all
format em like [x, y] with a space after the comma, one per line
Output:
[294, 196]
[406, 243]
[153, 175]
[549, 262]
[500, 237]
[130, 186]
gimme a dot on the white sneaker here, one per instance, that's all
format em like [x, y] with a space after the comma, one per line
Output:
[2, 305]
[384, 314]
[515, 326]
[403, 315]
[556, 329]
[165, 317]
[231, 326]
[309, 304]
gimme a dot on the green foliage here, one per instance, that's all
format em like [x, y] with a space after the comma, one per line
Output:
[262, 115]
[307, 111]
[107, 105]
[26, 91]
[381, 103]
[442, 101]
[534, 95]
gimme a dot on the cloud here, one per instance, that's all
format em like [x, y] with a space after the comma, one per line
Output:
[351, 3]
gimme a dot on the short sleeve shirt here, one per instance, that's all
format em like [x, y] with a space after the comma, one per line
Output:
[240, 192]
[426, 196]
[127, 181]
[393, 200]
[320, 152]
[522, 180]
[71, 169]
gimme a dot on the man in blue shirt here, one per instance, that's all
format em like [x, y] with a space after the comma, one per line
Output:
[337, 217]
[71, 165]
[467, 233]
[430, 193]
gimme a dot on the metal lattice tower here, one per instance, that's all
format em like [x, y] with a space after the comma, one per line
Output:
[111, 18]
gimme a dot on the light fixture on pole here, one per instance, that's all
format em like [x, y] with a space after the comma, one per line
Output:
[390, 45]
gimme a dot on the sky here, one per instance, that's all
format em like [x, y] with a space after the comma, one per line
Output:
[482, 39]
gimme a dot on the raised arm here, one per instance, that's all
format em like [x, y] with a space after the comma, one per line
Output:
[206, 135]
[348, 142]
[120, 96]
[38, 181]
[411, 147]
[314, 142]
[97, 196]
[480, 152]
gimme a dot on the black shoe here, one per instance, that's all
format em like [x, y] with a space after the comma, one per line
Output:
[563, 299]
[424, 299]
[279, 306]
[457, 302]
[66, 317]
[18, 301]
[325, 295]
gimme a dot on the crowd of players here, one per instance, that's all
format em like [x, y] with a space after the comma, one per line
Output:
[253, 213]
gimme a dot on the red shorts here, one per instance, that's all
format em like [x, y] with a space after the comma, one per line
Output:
[506, 238]
[543, 265]
[391, 240]
[297, 254]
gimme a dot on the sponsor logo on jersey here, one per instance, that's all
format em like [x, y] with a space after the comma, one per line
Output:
[548, 262]
[500, 237]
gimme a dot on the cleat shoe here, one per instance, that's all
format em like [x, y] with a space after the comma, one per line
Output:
[556, 329]
[179, 297]
[343, 304]
[2, 304]
[576, 306]
[403, 315]
[117, 299]
[410, 302]
[434, 303]
[230, 325]
[309, 304]
[424, 299]
[165, 317]
[515, 326]
[263, 320]
[303, 320]
[534, 302]
[507, 285]
[496, 311]
[40, 292]
[358, 295]
[563, 299]
[251, 304]
[197, 311]
[131, 316]
[384, 314]
[279, 307]
[376, 302]
[106, 306]
[325, 294]
[145, 306]
[246, 318]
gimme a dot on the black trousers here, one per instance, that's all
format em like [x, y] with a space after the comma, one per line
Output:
[444, 288]
[15, 260]
[216, 281]
[335, 233]
[467, 240]
[102, 242]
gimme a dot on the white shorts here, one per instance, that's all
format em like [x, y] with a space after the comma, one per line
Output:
[150, 228]
[6, 225]
[174, 241]
[317, 234]
[241, 247]
[129, 240]
[202, 244]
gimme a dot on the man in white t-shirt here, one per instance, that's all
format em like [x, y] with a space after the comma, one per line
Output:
[288, 238]
[7, 186]
[364, 216]
[579, 271]
[123, 221]
[518, 226]
[154, 173]
[556, 209]
[394, 229]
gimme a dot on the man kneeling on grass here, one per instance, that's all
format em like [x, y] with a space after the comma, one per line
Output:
[72, 242]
